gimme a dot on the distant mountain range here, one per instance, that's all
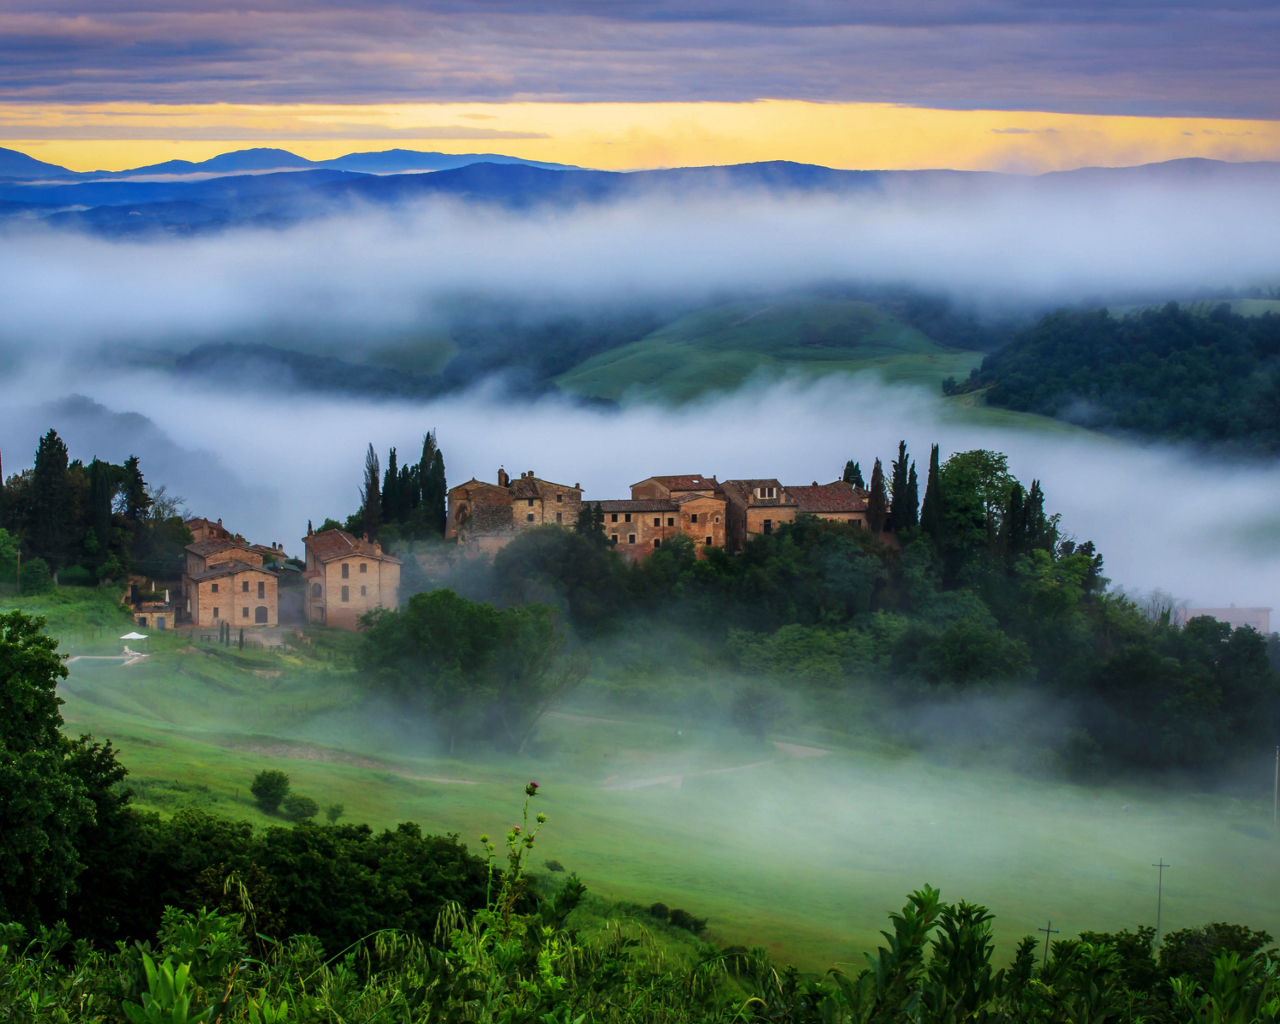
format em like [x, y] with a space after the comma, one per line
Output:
[275, 187]
[20, 167]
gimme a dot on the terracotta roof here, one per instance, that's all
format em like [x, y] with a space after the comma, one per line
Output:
[523, 487]
[330, 544]
[648, 505]
[201, 519]
[229, 569]
[746, 491]
[833, 497]
[685, 482]
[204, 548]
[682, 499]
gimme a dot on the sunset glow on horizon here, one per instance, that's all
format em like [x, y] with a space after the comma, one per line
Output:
[626, 136]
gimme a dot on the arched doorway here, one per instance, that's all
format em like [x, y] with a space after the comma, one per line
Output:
[260, 614]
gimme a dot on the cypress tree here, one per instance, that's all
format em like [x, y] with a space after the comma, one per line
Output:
[390, 483]
[913, 498]
[137, 503]
[438, 489]
[370, 496]
[1039, 532]
[102, 490]
[52, 516]
[877, 501]
[853, 475]
[1013, 530]
[933, 512]
[899, 515]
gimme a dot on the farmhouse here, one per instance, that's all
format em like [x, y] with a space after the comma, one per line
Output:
[755, 508]
[484, 516]
[838, 501]
[346, 577]
[238, 592]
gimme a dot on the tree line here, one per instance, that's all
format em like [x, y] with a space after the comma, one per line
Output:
[85, 523]
[1166, 372]
[983, 589]
[404, 502]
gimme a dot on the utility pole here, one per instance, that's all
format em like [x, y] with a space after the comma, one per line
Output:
[1049, 933]
[1160, 893]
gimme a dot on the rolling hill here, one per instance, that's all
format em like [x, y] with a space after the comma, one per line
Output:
[719, 349]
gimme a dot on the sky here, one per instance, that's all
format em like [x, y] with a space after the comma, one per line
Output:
[993, 84]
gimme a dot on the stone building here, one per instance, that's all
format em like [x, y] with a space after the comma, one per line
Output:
[483, 516]
[241, 593]
[204, 554]
[838, 501]
[661, 507]
[755, 508]
[207, 529]
[346, 577]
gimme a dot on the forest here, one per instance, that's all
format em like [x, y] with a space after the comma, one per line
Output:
[1168, 372]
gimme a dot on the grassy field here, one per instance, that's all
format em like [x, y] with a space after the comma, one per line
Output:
[801, 844]
[718, 349]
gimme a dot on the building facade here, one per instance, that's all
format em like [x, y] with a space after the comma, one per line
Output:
[838, 501]
[755, 508]
[483, 516]
[236, 592]
[346, 577]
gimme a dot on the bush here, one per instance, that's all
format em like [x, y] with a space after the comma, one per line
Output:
[554, 865]
[269, 788]
[75, 576]
[1193, 950]
[34, 576]
[661, 911]
[299, 808]
[684, 919]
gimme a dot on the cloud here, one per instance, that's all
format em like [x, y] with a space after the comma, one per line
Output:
[242, 133]
[1135, 58]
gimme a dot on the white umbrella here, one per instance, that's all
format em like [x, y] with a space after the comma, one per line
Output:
[134, 636]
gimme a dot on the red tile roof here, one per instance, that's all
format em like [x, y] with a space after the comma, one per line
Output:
[229, 569]
[330, 544]
[643, 505]
[685, 482]
[205, 548]
[832, 497]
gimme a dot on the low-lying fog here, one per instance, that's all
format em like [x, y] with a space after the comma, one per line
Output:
[78, 311]
[1206, 530]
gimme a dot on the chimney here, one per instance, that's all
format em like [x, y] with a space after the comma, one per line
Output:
[503, 479]
[219, 522]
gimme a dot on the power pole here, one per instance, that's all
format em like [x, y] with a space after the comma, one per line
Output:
[1049, 933]
[1160, 893]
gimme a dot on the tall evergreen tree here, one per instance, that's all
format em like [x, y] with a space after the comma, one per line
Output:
[1013, 525]
[103, 479]
[902, 513]
[435, 489]
[390, 490]
[933, 512]
[52, 515]
[853, 475]
[137, 502]
[877, 501]
[913, 497]
[371, 496]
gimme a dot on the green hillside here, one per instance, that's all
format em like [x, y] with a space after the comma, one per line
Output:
[718, 349]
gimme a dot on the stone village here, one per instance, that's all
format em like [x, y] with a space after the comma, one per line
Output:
[230, 582]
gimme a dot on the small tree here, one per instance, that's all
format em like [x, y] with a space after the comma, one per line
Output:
[853, 475]
[35, 577]
[269, 788]
[299, 808]
[333, 812]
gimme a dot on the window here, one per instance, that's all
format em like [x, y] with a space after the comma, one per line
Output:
[262, 589]
[657, 520]
[693, 518]
[215, 613]
[346, 593]
[631, 538]
[657, 542]
[244, 613]
[142, 620]
[315, 591]
[613, 538]
[615, 518]
[708, 544]
[559, 497]
[214, 588]
[717, 519]
[529, 517]
[346, 571]
[531, 503]
[627, 516]
[559, 517]
[363, 591]
[244, 586]
[671, 521]
[768, 527]
[364, 566]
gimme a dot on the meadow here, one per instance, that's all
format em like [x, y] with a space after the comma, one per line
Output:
[800, 843]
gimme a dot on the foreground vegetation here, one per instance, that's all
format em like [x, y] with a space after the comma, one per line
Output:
[334, 923]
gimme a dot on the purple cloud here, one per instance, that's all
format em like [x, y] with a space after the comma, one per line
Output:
[1090, 57]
